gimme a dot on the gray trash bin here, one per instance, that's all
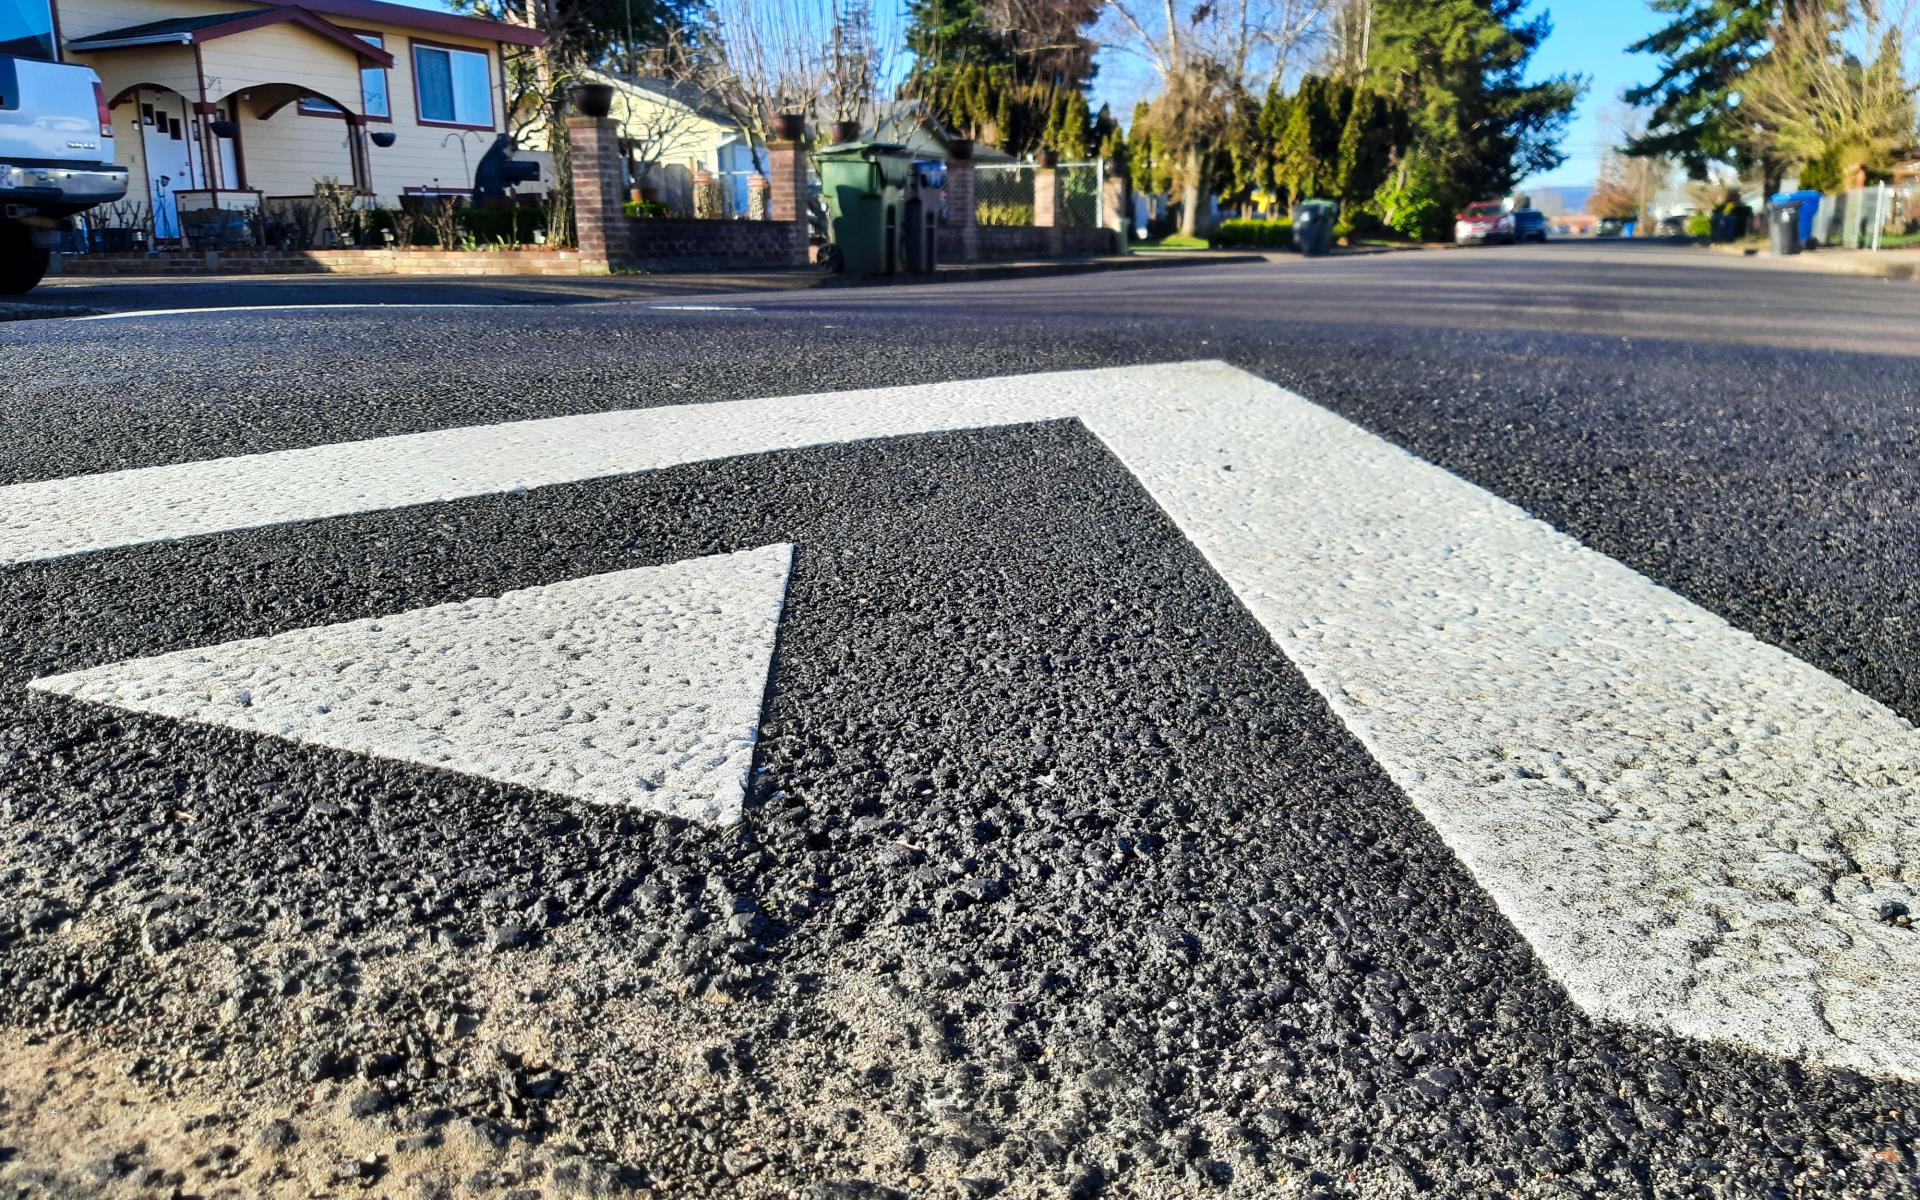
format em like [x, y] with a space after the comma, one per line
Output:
[1313, 226]
[926, 194]
[1783, 227]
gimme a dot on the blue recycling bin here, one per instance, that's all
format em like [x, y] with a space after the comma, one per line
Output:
[1809, 205]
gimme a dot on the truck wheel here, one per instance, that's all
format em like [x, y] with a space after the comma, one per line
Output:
[22, 264]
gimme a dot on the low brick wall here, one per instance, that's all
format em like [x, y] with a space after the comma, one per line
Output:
[1000, 243]
[684, 244]
[325, 262]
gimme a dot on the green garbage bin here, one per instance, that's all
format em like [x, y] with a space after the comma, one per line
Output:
[865, 185]
[1313, 222]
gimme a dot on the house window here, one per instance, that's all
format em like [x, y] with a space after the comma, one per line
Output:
[454, 87]
[373, 88]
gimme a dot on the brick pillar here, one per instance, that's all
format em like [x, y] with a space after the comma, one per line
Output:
[599, 181]
[1117, 198]
[787, 192]
[1046, 206]
[1046, 197]
[963, 213]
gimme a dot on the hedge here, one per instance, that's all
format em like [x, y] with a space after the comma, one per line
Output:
[1273, 234]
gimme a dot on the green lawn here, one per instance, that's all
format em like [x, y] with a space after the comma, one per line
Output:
[1174, 241]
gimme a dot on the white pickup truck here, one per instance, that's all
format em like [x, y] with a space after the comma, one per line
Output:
[56, 143]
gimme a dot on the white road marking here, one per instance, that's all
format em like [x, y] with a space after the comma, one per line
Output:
[234, 308]
[1691, 828]
[639, 688]
[702, 308]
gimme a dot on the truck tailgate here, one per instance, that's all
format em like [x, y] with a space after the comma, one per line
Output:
[49, 114]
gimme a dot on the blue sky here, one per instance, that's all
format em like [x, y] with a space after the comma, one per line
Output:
[1590, 37]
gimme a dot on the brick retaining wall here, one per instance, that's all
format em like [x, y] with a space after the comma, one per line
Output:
[684, 244]
[1001, 243]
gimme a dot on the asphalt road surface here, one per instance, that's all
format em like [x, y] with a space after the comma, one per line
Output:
[1429, 724]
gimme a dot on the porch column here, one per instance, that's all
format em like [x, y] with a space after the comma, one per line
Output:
[357, 151]
[210, 147]
[963, 212]
[787, 197]
[599, 176]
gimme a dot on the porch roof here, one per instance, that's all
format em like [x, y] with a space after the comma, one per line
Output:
[195, 30]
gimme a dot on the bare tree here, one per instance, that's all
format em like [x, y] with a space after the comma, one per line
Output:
[802, 57]
[1628, 184]
[854, 61]
[1211, 56]
[1349, 42]
[1833, 87]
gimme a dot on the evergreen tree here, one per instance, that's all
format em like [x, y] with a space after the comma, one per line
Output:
[1150, 167]
[1373, 130]
[1070, 127]
[1272, 127]
[1458, 70]
[1245, 167]
[995, 79]
[1704, 50]
[1308, 156]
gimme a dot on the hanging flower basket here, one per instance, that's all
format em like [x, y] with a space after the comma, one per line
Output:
[383, 139]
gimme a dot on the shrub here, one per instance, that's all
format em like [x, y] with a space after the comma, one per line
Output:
[1357, 223]
[1272, 234]
[1699, 225]
[1001, 212]
[651, 210]
[1411, 200]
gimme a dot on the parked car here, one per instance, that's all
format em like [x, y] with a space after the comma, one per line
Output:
[56, 144]
[1483, 221]
[1610, 227]
[1529, 225]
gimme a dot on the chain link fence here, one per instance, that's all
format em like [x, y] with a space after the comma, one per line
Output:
[1868, 218]
[1080, 194]
[1003, 193]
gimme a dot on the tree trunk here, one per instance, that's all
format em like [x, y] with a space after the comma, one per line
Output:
[1191, 196]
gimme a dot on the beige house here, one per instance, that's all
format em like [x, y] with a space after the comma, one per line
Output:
[670, 131]
[229, 104]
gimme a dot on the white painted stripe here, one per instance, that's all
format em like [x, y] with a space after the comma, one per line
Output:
[237, 308]
[639, 688]
[120, 508]
[702, 308]
[1689, 826]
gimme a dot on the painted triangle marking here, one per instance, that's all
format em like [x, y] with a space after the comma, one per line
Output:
[640, 688]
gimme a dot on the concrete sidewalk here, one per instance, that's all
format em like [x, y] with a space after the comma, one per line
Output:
[1903, 264]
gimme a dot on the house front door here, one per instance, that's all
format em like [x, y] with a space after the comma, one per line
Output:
[166, 137]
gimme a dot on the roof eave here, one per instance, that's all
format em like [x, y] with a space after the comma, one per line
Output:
[158, 39]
